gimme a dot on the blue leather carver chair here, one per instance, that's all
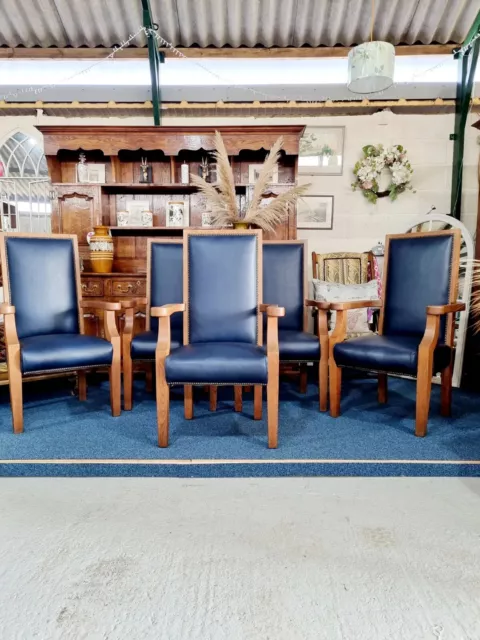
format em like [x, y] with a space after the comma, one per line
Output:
[285, 284]
[416, 327]
[164, 286]
[222, 283]
[44, 325]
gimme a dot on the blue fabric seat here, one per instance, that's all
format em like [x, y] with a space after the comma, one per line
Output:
[297, 346]
[387, 354]
[68, 351]
[217, 363]
[144, 344]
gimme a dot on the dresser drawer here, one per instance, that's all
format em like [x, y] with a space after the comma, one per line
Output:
[126, 287]
[92, 288]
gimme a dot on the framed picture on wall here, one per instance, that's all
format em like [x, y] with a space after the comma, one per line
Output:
[315, 212]
[321, 151]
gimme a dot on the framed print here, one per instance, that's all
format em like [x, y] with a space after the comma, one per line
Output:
[207, 220]
[254, 171]
[315, 212]
[321, 151]
[177, 213]
[135, 218]
[96, 173]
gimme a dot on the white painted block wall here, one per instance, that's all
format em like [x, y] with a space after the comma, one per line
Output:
[357, 225]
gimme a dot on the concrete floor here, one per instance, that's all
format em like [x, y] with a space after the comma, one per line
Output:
[277, 559]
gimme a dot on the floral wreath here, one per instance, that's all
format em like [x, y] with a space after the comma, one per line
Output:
[375, 160]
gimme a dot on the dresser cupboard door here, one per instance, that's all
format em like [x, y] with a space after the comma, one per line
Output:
[77, 210]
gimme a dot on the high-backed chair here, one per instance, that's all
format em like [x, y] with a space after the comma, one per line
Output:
[44, 327]
[164, 286]
[285, 284]
[222, 330]
[416, 325]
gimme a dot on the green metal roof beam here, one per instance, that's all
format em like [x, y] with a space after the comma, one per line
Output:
[155, 59]
[467, 56]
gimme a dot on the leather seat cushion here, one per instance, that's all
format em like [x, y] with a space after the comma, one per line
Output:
[144, 344]
[297, 345]
[396, 354]
[217, 363]
[64, 351]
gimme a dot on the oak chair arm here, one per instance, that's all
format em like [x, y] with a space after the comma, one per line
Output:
[441, 310]
[6, 309]
[355, 304]
[318, 304]
[101, 305]
[166, 310]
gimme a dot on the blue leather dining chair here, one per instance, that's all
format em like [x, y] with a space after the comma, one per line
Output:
[416, 326]
[44, 324]
[222, 284]
[164, 286]
[285, 284]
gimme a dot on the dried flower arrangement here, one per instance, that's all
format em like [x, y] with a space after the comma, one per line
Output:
[221, 199]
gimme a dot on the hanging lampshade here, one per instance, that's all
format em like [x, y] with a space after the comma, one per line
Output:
[370, 67]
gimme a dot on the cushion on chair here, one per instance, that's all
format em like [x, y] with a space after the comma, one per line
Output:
[418, 275]
[144, 344]
[297, 346]
[166, 281]
[223, 288]
[396, 354]
[41, 274]
[357, 319]
[283, 281]
[64, 351]
[217, 363]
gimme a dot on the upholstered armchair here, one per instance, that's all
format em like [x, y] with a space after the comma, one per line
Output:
[222, 283]
[164, 286]
[416, 326]
[285, 284]
[44, 326]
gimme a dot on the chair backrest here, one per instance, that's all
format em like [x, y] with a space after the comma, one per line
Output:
[284, 281]
[343, 268]
[421, 269]
[164, 279]
[222, 280]
[41, 279]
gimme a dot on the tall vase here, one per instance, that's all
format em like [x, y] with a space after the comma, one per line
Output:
[101, 250]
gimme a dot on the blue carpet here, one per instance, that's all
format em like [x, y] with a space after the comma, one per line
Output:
[82, 439]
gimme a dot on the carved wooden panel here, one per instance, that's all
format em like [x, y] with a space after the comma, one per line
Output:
[77, 211]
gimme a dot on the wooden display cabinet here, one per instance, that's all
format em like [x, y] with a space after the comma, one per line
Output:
[78, 207]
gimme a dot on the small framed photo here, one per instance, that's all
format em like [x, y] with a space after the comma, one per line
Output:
[321, 151]
[207, 220]
[254, 172]
[315, 212]
[177, 214]
[96, 173]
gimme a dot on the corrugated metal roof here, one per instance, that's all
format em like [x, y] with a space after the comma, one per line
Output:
[235, 23]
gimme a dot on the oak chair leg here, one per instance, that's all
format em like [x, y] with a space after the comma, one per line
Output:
[335, 383]
[16, 393]
[303, 378]
[323, 383]
[424, 388]
[213, 397]
[127, 382]
[82, 385]
[382, 392]
[272, 408]
[238, 397]
[257, 401]
[149, 378]
[446, 392]
[163, 408]
[115, 376]
[188, 401]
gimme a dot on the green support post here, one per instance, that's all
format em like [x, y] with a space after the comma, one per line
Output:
[155, 59]
[467, 57]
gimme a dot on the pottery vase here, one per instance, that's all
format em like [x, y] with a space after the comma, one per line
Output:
[241, 225]
[101, 250]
